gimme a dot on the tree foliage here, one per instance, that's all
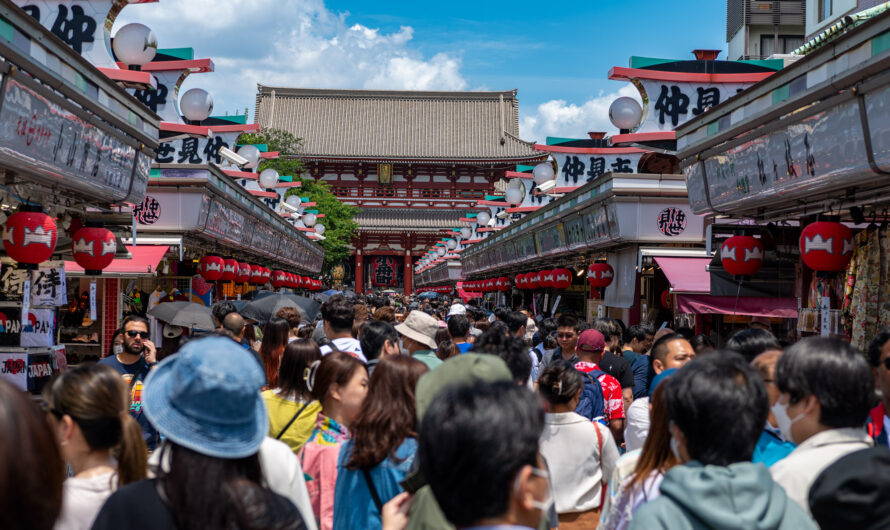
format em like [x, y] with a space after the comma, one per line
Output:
[339, 218]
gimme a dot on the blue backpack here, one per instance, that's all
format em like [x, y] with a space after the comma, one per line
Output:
[592, 405]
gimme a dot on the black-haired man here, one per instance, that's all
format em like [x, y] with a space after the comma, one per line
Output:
[338, 314]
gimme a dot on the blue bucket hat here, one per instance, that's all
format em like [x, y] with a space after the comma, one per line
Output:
[207, 398]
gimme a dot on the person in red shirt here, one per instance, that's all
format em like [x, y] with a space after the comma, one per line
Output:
[590, 348]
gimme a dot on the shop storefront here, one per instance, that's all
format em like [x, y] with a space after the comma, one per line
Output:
[74, 148]
[808, 150]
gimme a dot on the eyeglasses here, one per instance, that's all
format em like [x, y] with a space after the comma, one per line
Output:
[133, 334]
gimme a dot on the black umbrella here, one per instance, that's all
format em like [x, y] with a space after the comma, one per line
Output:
[263, 309]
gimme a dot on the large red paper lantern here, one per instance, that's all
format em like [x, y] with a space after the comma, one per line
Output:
[93, 248]
[30, 237]
[267, 274]
[534, 280]
[562, 278]
[521, 281]
[279, 278]
[545, 278]
[742, 255]
[503, 283]
[230, 270]
[211, 268]
[244, 273]
[600, 275]
[256, 275]
[490, 285]
[826, 246]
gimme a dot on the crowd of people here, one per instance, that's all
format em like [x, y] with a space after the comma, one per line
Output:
[394, 414]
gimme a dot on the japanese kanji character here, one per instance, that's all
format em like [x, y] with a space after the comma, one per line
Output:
[673, 105]
[165, 153]
[597, 167]
[211, 150]
[76, 30]
[707, 98]
[573, 168]
[189, 151]
[622, 165]
[152, 98]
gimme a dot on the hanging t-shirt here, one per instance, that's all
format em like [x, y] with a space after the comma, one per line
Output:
[139, 370]
[155, 328]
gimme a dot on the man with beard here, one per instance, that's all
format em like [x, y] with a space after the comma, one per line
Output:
[133, 363]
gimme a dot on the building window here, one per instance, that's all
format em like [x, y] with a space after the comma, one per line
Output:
[787, 44]
[824, 10]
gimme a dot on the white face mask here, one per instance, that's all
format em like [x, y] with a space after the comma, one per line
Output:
[402, 349]
[117, 349]
[675, 448]
[780, 411]
[545, 504]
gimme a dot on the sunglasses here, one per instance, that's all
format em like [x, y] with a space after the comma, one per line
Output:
[133, 334]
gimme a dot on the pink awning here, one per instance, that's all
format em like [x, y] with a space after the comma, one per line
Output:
[144, 263]
[686, 275]
[746, 305]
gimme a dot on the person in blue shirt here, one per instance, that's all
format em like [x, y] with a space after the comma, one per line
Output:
[770, 446]
[459, 329]
[383, 445]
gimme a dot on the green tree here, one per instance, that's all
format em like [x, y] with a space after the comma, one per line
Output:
[339, 218]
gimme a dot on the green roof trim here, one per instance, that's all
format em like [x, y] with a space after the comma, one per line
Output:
[772, 64]
[311, 211]
[521, 168]
[186, 54]
[237, 118]
[154, 173]
[555, 140]
[494, 198]
[264, 148]
[286, 178]
[643, 62]
[471, 215]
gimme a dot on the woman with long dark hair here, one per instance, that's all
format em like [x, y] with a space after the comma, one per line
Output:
[652, 462]
[103, 444]
[382, 447]
[32, 468]
[206, 402]
[292, 411]
[340, 383]
[275, 335]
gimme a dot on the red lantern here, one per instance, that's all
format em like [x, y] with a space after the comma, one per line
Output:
[230, 270]
[521, 281]
[291, 280]
[279, 278]
[244, 273]
[503, 284]
[93, 248]
[490, 285]
[562, 278]
[30, 237]
[211, 268]
[267, 274]
[534, 280]
[256, 275]
[600, 275]
[826, 246]
[545, 278]
[666, 301]
[742, 255]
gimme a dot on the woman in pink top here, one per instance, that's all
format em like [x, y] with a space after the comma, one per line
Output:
[339, 382]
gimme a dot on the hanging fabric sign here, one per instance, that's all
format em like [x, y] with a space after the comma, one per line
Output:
[93, 301]
[10, 326]
[26, 298]
[37, 329]
[383, 271]
[48, 286]
[14, 369]
[12, 281]
[40, 370]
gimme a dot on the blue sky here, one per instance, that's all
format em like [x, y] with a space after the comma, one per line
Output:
[556, 53]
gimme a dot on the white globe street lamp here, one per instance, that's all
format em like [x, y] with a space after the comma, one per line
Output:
[466, 232]
[543, 172]
[252, 154]
[268, 178]
[482, 218]
[440, 251]
[319, 229]
[514, 196]
[625, 113]
[451, 244]
[196, 105]
[135, 45]
[309, 220]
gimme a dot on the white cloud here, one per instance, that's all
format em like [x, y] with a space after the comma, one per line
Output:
[568, 120]
[297, 43]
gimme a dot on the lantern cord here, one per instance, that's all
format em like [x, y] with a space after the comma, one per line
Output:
[736, 306]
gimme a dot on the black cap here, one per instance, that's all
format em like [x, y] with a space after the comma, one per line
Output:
[854, 492]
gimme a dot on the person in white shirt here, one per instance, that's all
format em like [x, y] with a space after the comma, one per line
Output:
[338, 315]
[87, 408]
[581, 454]
[826, 391]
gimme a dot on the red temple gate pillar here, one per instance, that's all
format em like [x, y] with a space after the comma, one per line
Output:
[409, 272]
[359, 272]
